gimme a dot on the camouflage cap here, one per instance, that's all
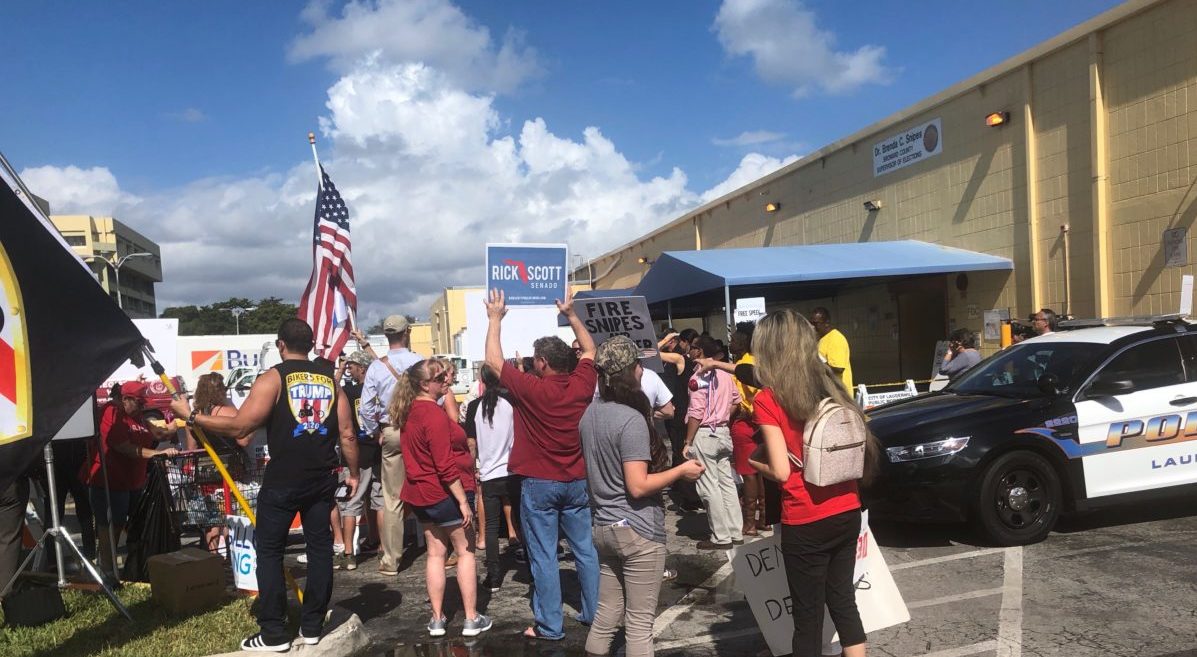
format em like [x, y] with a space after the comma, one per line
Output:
[616, 355]
[361, 357]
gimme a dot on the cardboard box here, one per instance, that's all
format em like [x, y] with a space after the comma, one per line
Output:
[187, 581]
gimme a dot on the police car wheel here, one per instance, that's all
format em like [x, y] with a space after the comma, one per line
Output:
[1019, 499]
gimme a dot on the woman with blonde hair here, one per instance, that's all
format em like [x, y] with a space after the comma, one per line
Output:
[432, 488]
[819, 524]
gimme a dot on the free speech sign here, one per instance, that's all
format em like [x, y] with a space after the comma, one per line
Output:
[528, 274]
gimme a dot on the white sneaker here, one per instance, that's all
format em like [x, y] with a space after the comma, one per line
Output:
[308, 640]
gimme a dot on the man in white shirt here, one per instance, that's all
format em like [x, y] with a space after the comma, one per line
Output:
[376, 396]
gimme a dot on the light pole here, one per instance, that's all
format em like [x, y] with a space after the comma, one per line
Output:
[116, 264]
[238, 311]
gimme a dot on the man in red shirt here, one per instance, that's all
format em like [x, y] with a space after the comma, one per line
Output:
[547, 455]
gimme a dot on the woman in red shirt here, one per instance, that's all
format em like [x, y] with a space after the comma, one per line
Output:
[127, 442]
[819, 524]
[432, 487]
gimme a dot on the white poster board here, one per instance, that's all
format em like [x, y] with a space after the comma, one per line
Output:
[241, 549]
[993, 322]
[749, 310]
[608, 317]
[761, 577]
[163, 335]
[521, 326]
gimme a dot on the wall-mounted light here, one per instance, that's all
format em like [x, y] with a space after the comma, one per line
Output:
[645, 261]
[872, 205]
[996, 119]
[772, 206]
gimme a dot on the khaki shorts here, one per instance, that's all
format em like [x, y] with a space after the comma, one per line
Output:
[369, 483]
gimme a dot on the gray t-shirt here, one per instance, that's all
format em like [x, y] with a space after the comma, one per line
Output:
[960, 363]
[613, 434]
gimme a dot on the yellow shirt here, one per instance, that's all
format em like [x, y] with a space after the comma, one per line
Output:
[746, 392]
[834, 348]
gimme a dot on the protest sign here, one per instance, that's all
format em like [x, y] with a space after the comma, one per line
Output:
[749, 310]
[761, 577]
[244, 556]
[528, 274]
[608, 317]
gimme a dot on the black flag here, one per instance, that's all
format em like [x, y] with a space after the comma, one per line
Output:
[61, 336]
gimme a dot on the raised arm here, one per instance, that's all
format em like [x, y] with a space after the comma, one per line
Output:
[585, 340]
[252, 414]
[496, 308]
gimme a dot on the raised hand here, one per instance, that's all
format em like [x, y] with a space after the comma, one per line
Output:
[496, 304]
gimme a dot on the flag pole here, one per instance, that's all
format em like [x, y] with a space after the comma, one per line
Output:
[316, 158]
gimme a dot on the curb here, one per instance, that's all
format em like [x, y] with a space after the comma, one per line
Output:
[344, 636]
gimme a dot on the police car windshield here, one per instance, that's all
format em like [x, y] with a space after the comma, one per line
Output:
[1015, 372]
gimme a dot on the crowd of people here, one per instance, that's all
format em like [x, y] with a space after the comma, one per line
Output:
[577, 444]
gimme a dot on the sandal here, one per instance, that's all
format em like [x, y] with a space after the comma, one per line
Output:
[532, 633]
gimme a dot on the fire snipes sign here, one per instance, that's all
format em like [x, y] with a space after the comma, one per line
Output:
[528, 274]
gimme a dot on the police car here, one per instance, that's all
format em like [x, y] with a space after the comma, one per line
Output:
[1105, 411]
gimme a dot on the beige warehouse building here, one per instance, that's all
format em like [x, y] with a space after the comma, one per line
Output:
[1086, 189]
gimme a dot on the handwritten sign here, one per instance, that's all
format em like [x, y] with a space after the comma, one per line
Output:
[749, 310]
[241, 549]
[528, 274]
[761, 577]
[608, 317]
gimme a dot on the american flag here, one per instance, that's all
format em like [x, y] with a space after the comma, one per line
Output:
[330, 295]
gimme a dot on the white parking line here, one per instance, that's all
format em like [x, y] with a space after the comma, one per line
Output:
[1009, 641]
[963, 651]
[947, 557]
[688, 600]
[953, 598]
[703, 639]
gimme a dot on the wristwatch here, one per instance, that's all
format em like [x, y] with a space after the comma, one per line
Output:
[191, 418]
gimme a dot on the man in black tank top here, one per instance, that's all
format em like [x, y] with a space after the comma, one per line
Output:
[306, 414]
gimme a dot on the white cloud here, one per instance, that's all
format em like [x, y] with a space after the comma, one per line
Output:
[750, 138]
[753, 167]
[430, 170]
[434, 32]
[788, 48]
[189, 115]
[72, 190]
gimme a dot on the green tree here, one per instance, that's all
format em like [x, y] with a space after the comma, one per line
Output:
[217, 318]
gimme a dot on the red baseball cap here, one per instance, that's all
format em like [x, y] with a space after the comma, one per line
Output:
[133, 389]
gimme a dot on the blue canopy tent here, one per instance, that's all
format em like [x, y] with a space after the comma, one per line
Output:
[681, 274]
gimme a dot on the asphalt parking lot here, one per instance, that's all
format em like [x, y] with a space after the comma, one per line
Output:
[1118, 582]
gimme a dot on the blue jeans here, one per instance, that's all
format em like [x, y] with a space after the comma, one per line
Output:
[548, 509]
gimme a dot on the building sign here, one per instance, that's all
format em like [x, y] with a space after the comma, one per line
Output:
[1176, 247]
[749, 310]
[608, 317]
[528, 274]
[910, 147]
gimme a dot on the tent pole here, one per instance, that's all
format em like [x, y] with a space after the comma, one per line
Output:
[669, 312]
[727, 309]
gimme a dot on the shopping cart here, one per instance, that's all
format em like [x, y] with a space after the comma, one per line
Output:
[200, 498]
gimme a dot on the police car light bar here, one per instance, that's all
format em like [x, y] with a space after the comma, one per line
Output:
[1158, 321]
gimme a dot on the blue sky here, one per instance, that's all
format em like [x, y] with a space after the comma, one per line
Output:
[167, 113]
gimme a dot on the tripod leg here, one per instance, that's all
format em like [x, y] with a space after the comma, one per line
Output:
[64, 540]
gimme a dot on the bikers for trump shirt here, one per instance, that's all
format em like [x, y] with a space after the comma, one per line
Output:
[302, 432]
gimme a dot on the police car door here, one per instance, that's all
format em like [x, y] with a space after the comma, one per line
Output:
[1133, 416]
